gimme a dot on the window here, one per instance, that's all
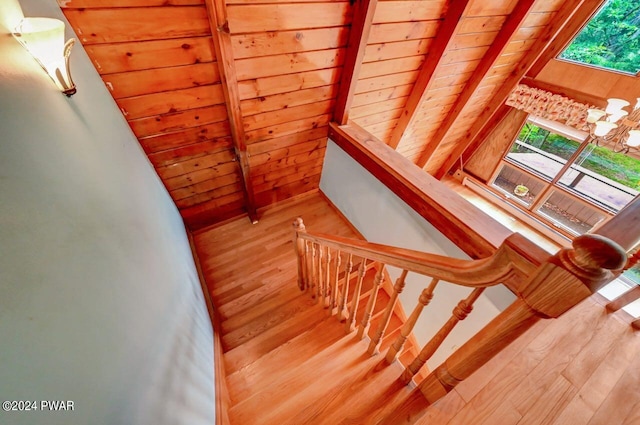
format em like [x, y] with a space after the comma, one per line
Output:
[611, 39]
[558, 176]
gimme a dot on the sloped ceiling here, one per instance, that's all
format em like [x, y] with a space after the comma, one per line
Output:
[231, 100]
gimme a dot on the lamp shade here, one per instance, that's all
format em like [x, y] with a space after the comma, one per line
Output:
[634, 138]
[615, 105]
[603, 128]
[44, 39]
[594, 115]
[615, 117]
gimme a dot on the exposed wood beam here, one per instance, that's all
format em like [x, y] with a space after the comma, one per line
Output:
[434, 58]
[558, 24]
[358, 36]
[217, 12]
[465, 225]
[500, 43]
[581, 17]
[624, 227]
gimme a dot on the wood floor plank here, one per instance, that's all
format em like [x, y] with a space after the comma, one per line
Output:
[622, 399]
[551, 404]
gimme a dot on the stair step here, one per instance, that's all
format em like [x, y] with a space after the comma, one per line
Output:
[260, 345]
[284, 297]
[251, 378]
[265, 321]
[268, 290]
[358, 403]
[297, 388]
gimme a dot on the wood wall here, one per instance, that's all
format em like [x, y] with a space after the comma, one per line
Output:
[399, 40]
[157, 59]
[288, 60]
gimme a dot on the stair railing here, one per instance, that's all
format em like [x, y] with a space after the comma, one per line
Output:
[545, 286]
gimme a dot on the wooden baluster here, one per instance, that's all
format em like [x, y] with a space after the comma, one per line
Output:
[320, 286]
[299, 245]
[460, 312]
[368, 312]
[326, 293]
[337, 260]
[308, 275]
[343, 312]
[623, 300]
[560, 283]
[350, 322]
[423, 301]
[314, 272]
[374, 345]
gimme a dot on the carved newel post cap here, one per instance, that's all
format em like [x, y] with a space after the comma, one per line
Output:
[298, 224]
[593, 259]
[598, 252]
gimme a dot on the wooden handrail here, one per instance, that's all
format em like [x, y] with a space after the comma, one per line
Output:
[511, 264]
[546, 286]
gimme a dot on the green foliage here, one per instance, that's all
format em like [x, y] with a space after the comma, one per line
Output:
[611, 39]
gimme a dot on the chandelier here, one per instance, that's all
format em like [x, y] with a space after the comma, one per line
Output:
[615, 126]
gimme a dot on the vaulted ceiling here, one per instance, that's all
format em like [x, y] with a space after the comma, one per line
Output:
[231, 100]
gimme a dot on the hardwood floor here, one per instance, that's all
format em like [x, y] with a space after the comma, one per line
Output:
[288, 362]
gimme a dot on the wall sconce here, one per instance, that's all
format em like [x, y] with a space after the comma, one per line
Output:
[44, 39]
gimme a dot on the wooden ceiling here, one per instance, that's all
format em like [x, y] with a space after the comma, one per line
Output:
[231, 100]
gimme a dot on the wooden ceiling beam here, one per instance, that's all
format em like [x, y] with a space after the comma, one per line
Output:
[358, 37]
[434, 58]
[560, 41]
[217, 13]
[509, 28]
[558, 24]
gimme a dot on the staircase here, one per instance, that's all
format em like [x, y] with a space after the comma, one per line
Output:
[288, 359]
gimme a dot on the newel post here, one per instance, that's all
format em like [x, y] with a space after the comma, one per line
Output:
[556, 285]
[301, 252]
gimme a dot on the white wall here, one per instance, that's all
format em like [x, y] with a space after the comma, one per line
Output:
[100, 301]
[382, 217]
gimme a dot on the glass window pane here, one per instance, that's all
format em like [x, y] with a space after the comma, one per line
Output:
[517, 185]
[603, 177]
[540, 151]
[611, 39]
[570, 214]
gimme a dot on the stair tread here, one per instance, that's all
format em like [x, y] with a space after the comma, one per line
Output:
[261, 344]
[251, 378]
[359, 402]
[265, 321]
[239, 320]
[297, 387]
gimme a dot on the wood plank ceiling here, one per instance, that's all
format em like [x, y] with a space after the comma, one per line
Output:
[236, 118]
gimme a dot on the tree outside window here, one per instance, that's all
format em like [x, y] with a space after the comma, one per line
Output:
[611, 39]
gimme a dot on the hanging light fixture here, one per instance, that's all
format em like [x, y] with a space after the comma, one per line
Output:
[615, 126]
[44, 39]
